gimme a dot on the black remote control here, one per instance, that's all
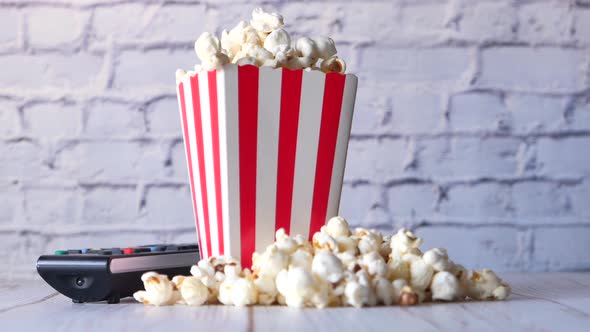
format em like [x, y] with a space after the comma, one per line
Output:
[109, 274]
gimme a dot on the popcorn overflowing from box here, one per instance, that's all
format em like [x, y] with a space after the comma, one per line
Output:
[266, 121]
[295, 272]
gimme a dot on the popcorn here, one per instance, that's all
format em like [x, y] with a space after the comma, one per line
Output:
[438, 259]
[327, 266]
[369, 241]
[180, 75]
[337, 226]
[193, 291]
[297, 285]
[176, 295]
[403, 242]
[333, 64]
[301, 258]
[206, 46]
[307, 48]
[485, 285]
[158, 289]
[253, 51]
[325, 47]
[420, 274]
[323, 241]
[244, 44]
[445, 286]
[338, 268]
[247, 60]
[266, 22]
[244, 292]
[267, 290]
[271, 262]
[384, 290]
[285, 243]
[278, 40]
[374, 264]
[347, 244]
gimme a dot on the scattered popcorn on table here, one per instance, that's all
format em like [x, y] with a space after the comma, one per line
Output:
[263, 42]
[339, 268]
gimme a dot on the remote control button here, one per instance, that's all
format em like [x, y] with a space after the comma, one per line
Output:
[157, 248]
[85, 250]
[74, 251]
[127, 251]
[61, 252]
[114, 251]
[139, 250]
[172, 248]
[188, 247]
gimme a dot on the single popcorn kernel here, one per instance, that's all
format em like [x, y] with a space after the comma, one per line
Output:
[408, 297]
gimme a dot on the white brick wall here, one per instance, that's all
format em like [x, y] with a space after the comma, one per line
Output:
[472, 123]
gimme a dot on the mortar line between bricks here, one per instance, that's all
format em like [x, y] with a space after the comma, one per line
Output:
[142, 229]
[353, 137]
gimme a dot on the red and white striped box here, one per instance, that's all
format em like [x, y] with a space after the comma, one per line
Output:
[265, 149]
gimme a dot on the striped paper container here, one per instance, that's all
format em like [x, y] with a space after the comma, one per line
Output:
[265, 149]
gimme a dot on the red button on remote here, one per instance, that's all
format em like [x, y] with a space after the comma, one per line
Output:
[127, 251]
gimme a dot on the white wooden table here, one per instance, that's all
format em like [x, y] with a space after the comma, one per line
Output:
[540, 302]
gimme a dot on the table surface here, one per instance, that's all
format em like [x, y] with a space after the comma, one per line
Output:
[540, 302]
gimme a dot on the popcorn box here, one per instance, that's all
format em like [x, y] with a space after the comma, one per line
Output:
[265, 149]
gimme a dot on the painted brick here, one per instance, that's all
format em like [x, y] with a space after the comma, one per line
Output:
[49, 71]
[578, 198]
[496, 247]
[110, 205]
[531, 69]
[377, 160]
[357, 201]
[9, 118]
[468, 157]
[163, 117]
[540, 200]
[562, 248]
[547, 21]
[323, 19]
[179, 165]
[476, 112]
[563, 156]
[21, 159]
[169, 205]
[580, 116]
[372, 111]
[481, 203]
[416, 112]
[155, 22]
[533, 113]
[46, 205]
[413, 201]
[136, 69]
[415, 65]
[111, 160]
[53, 120]
[582, 25]
[54, 27]
[108, 119]
[11, 201]
[494, 21]
[9, 21]
[424, 18]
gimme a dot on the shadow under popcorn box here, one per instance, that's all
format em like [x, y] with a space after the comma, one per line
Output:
[265, 149]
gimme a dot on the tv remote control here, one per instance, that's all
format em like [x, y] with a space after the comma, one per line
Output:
[109, 274]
